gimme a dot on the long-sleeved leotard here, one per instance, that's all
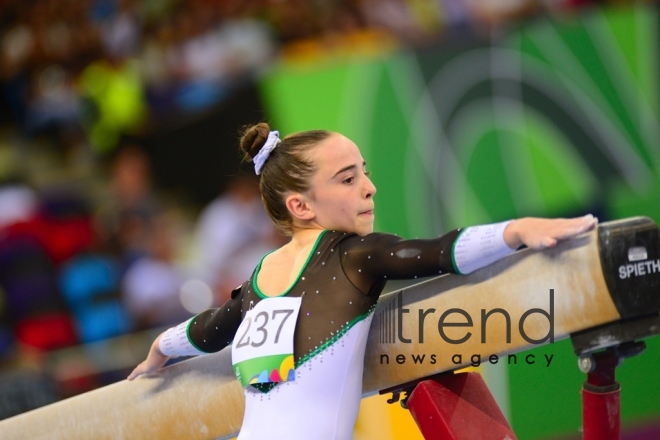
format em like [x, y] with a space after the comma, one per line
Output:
[339, 286]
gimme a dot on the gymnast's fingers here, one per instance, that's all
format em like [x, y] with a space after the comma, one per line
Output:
[137, 371]
[579, 226]
[145, 367]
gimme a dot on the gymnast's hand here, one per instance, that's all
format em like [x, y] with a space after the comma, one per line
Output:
[541, 233]
[155, 361]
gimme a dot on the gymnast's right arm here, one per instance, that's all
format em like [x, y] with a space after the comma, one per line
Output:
[208, 332]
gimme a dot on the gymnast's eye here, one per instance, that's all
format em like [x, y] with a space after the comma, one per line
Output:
[348, 180]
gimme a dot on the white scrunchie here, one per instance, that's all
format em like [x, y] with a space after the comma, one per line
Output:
[262, 156]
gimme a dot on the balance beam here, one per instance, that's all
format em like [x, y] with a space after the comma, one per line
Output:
[201, 399]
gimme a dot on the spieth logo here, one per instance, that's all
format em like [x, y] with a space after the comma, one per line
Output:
[639, 269]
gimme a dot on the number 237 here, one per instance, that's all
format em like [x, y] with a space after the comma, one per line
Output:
[262, 328]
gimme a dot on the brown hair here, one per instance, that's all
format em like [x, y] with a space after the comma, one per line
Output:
[287, 168]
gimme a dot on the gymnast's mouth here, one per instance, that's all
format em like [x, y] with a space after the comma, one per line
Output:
[369, 212]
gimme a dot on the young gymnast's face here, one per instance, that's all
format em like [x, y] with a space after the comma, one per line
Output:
[341, 192]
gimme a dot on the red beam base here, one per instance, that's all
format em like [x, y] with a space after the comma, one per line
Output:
[601, 393]
[458, 407]
[601, 414]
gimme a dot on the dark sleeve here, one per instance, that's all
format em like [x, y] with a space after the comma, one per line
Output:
[378, 257]
[214, 329]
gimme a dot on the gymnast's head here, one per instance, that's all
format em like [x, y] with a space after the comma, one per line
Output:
[311, 180]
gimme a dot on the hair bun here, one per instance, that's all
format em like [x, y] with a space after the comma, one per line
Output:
[253, 139]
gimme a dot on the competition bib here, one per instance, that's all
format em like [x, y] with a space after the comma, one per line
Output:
[262, 350]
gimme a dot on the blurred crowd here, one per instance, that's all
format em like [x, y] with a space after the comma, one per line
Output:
[85, 73]
[96, 69]
[74, 272]
[107, 67]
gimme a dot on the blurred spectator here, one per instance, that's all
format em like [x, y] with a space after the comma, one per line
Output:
[233, 223]
[151, 286]
[53, 104]
[63, 224]
[18, 202]
[239, 268]
[413, 21]
[17, 46]
[127, 216]
[201, 61]
[157, 59]
[121, 31]
[115, 101]
[214, 54]
[30, 251]
[90, 284]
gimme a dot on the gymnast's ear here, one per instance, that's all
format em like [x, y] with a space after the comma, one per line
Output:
[299, 207]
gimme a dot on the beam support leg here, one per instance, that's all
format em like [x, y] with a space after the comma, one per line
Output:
[601, 393]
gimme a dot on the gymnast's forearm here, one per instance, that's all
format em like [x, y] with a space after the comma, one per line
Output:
[208, 332]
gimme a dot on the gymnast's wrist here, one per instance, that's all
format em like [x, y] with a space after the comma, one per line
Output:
[155, 347]
[512, 235]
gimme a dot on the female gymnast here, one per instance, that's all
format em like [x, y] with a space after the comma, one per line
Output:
[298, 327]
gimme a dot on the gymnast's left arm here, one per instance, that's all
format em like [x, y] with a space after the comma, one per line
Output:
[377, 257]
[479, 246]
[208, 332]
